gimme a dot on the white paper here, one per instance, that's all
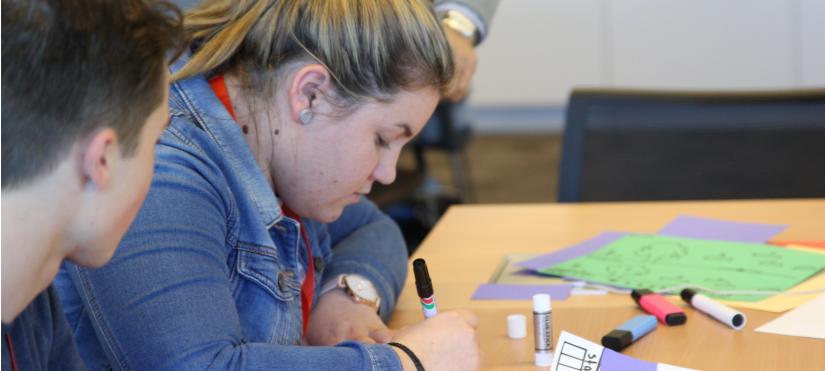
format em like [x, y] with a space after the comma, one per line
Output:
[805, 320]
[573, 353]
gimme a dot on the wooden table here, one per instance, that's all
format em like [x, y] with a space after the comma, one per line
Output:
[468, 243]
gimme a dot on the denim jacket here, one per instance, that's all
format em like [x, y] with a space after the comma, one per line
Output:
[209, 274]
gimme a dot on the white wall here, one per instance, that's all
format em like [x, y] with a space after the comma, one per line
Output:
[539, 49]
[701, 43]
[536, 49]
[812, 44]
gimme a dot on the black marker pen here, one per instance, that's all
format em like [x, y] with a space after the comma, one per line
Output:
[425, 288]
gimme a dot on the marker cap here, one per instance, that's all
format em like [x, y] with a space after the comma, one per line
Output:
[423, 284]
[516, 326]
[687, 295]
[617, 339]
[637, 294]
[672, 319]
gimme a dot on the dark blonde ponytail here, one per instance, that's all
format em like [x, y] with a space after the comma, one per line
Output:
[372, 48]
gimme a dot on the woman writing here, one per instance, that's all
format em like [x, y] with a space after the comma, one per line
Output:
[255, 248]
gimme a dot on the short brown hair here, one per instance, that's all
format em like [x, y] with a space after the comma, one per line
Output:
[71, 67]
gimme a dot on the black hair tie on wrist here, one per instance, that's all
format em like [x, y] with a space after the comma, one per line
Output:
[413, 357]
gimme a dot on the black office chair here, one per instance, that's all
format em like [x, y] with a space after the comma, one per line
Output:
[622, 145]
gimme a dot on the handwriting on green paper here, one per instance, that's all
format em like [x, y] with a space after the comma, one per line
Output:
[658, 262]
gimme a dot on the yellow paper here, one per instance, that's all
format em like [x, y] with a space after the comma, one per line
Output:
[781, 303]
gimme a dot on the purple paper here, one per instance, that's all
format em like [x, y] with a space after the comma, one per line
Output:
[613, 361]
[575, 251]
[713, 229]
[491, 291]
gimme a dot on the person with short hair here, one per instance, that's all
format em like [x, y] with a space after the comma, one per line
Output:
[256, 248]
[84, 100]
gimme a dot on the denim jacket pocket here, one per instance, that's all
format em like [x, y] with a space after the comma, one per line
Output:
[260, 265]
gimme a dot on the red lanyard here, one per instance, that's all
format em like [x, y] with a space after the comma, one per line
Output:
[308, 286]
[11, 352]
[219, 87]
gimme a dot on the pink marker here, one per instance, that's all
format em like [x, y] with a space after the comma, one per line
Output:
[656, 305]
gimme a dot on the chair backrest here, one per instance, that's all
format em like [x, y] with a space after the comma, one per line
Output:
[622, 145]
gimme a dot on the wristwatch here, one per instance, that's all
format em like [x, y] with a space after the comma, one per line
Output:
[461, 24]
[358, 287]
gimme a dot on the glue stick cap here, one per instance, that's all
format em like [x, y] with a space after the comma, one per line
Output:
[544, 359]
[516, 326]
[541, 303]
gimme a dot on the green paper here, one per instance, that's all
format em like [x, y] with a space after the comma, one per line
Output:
[660, 262]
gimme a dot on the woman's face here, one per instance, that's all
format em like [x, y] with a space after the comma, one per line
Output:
[332, 161]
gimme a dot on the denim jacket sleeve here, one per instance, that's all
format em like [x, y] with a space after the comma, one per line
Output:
[367, 242]
[165, 301]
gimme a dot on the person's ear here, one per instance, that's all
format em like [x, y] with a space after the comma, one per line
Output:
[309, 86]
[98, 157]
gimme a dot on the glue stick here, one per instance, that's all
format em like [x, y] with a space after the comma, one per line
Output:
[542, 329]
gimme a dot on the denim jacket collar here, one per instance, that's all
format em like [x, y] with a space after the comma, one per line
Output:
[196, 99]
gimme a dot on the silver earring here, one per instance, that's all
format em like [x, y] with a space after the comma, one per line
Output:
[305, 116]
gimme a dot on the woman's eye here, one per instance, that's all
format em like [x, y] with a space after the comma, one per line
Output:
[380, 142]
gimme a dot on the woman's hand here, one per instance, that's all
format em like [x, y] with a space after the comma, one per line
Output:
[337, 318]
[446, 341]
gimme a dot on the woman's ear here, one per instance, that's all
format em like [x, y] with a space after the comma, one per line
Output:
[98, 157]
[309, 85]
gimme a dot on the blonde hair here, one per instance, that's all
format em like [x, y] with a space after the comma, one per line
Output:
[372, 48]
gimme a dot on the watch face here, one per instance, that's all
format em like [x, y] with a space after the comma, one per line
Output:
[361, 287]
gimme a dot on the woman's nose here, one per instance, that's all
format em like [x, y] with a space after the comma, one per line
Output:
[385, 170]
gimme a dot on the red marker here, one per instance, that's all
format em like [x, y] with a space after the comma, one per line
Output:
[656, 305]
